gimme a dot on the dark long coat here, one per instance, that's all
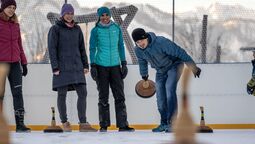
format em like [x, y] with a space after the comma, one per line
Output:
[67, 54]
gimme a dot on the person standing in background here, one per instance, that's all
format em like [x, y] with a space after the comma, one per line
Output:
[13, 62]
[69, 64]
[108, 69]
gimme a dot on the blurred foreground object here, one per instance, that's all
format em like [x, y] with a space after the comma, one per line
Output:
[4, 131]
[184, 127]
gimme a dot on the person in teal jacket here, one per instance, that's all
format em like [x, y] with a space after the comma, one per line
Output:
[108, 69]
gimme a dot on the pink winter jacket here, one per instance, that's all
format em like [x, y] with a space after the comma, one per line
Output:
[11, 49]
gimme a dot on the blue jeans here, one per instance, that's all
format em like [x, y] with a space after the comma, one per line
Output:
[166, 84]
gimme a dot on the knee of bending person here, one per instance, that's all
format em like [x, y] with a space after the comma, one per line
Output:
[171, 86]
[171, 91]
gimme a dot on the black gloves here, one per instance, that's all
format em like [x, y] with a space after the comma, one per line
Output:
[24, 69]
[145, 77]
[93, 71]
[196, 71]
[124, 69]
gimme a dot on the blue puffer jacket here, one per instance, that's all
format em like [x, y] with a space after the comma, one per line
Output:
[162, 54]
[106, 45]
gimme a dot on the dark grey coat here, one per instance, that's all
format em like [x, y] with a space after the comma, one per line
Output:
[67, 54]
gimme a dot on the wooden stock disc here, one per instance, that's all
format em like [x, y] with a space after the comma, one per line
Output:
[145, 89]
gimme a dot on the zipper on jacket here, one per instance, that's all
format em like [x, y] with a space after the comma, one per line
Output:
[109, 30]
[11, 41]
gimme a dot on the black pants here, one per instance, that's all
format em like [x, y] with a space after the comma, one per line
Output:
[111, 76]
[81, 102]
[15, 80]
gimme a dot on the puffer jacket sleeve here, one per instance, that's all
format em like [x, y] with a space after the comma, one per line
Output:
[143, 64]
[121, 46]
[22, 54]
[93, 44]
[53, 47]
[84, 57]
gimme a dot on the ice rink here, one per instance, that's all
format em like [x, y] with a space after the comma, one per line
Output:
[138, 137]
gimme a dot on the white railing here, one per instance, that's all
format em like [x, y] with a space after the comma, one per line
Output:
[221, 89]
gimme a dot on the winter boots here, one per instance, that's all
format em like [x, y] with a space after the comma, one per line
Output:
[83, 127]
[67, 127]
[126, 129]
[86, 127]
[103, 129]
[19, 118]
[161, 128]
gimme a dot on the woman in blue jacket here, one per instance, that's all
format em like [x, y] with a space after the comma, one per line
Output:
[107, 53]
[167, 58]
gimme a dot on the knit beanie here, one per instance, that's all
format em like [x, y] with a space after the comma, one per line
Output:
[66, 8]
[102, 10]
[6, 3]
[139, 34]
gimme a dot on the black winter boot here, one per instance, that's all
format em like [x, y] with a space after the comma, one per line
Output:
[126, 129]
[19, 118]
[103, 129]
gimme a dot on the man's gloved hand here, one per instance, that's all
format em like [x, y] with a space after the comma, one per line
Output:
[93, 71]
[24, 69]
[196, 71]
[124, 69]
[145, 77]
